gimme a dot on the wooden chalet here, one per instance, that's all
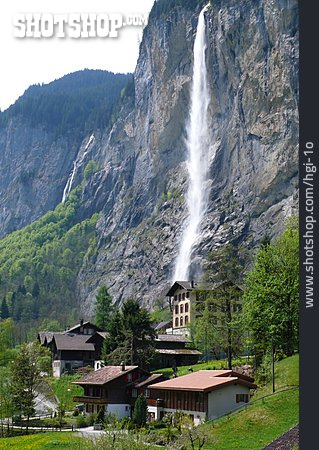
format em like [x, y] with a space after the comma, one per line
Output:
[115, 389]
[206, 394]
[77, 347]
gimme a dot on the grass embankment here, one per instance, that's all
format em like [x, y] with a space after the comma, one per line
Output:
[264, 419]
[58, 440]
[212, 365]
[65, 390]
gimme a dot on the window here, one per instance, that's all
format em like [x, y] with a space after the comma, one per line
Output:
[187, 294]
[186, 320]
[176, 309]
[183, 296]
[186, 307]
[129, 377]
[147, 393]
[181, 309]
[179, 297]
[134, 393]
[175, 298]
[242, 398]
[176, 322]
[181, 321]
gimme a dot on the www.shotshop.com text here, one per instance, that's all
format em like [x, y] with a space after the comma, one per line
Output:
[308, 235]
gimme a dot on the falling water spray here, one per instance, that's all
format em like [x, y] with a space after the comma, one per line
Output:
[197, 142]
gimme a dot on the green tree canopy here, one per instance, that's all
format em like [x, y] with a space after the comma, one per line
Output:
[271, 299]
[131, 337]
[25, 375]
[104, 309]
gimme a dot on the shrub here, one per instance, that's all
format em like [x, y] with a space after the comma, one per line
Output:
[81, 422]
[91, 419]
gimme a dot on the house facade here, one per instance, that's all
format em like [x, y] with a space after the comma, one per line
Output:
[206, 394]
[183, 295]
[171, 351]
[188, 298]
[115, 389]
[77, 347]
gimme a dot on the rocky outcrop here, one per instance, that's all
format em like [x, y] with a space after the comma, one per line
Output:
[253, 62]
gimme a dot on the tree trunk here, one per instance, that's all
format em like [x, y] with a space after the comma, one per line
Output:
[229, 333]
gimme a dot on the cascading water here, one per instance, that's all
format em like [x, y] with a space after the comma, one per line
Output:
[197, 147]
[76, 164]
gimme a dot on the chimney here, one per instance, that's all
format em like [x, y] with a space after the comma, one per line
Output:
[123, 366]
[81, 322]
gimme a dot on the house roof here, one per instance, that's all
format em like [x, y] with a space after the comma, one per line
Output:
[48, 336]
[160, 325]
[151, 379]
[202, 381]
[177, 285]
[193, 285]
[105, 375]
[83, 324]
[102, 334]
[178, 351]
[172, 338]
[73, 342]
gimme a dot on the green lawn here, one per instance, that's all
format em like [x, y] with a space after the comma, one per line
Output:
[286, 374]
[258, 425]
[212, 365]
[65, 390]
[58, 440]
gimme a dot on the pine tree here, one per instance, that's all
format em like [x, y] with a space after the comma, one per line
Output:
[104, 309]
[4, 309]
[140, 411]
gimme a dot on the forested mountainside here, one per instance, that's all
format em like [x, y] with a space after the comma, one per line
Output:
[136, 179]
[41, 136]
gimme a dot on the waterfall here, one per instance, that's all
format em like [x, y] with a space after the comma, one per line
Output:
[76, 164]
[197, 143]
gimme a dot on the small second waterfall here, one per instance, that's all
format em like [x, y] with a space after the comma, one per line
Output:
[76, 164]
[197, 148]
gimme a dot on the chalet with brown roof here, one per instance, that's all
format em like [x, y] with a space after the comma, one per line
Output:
[77, 347]
[206, 394]
[115, 389]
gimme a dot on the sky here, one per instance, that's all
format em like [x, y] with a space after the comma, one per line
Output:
[27, 61]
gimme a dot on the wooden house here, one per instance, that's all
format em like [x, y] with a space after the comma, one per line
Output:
[206, 394]
[115, 389]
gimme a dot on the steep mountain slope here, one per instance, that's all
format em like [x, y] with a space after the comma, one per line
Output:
[253, 71]
[41, 135]
[140, 178]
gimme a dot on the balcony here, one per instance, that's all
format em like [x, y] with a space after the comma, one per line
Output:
[88, 399]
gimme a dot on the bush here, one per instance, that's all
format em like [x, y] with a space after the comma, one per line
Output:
[127, 424]
[91, 419]
[81, 422]
[100, 416]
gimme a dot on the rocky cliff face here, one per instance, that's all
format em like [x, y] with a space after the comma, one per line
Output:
[139, 189]
[34, 167]
[252, 58]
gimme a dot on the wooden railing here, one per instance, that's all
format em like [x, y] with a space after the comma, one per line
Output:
[88, 399]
